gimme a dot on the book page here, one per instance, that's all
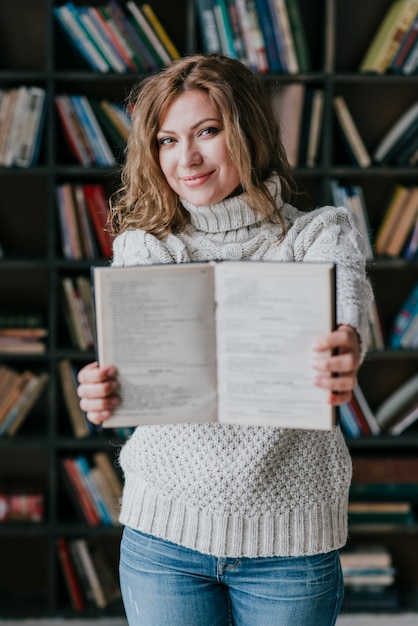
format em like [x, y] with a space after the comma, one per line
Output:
[156, 325]
[268, 315]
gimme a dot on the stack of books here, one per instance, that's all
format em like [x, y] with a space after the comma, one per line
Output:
[369, 579]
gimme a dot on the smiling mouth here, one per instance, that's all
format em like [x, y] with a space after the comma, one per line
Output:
[196, 178]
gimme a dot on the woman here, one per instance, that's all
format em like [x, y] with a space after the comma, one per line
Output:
[228, 524]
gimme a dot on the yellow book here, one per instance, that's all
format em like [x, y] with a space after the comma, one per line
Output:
[385, 34]
[160, 31]
[394, 209]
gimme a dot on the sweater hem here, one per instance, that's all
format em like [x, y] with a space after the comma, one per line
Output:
[301, 532]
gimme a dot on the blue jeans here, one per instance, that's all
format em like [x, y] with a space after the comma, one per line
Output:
[164, 584]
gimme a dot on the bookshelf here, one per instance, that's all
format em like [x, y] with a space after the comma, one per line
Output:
[34, 52]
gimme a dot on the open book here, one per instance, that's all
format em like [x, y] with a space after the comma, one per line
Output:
[216, 342]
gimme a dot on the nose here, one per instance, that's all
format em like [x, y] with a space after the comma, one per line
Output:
[189, 154]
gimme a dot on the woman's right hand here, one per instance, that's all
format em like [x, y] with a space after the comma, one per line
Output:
[97, 391]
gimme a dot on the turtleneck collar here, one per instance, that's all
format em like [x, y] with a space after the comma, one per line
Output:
[232, 213]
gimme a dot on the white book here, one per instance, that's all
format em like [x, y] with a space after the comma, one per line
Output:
[351, 134]
[30, 140]
[15, 131]
[395, 132]
[226, 342]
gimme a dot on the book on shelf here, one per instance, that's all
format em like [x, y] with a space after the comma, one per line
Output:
[97, 206]
[411, 62]
[387, 146]
[211, 42]
[21, 503]
[392, 216]
[160, 31]
[397, 64]
[350, 134]
[86, 474]
[90, 575]
[299, 35]
[98, 35]
[68, 377]
[77, 315]
[22, 113]
[375, 599]
[401, 513]
[352, 197]
[21, 409]
[66, 15]
[23, 340]
[403, 320]
[365, 556]
[399, 404]
[225, 28]
[397, 20]
[404, 224]
[169, 310]
[73, 131]
[93, 133]
[315, 128]
[148, 33]
[115, 38]
[108, 470]
[68, 220]
[252, 35]
[78, 492]
[280, 18]
[69, 571]
[138, 46]
[98, 573]
[398, 220]
[356, 417]
[266, 19]
[287, 104]
[385, 476]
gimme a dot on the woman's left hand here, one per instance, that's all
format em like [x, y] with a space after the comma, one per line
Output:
[337, 372]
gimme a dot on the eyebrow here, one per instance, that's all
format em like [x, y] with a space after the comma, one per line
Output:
[203, 121]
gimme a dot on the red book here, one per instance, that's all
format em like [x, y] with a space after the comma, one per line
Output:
[80, 493]
[70, 575]
[98, 210]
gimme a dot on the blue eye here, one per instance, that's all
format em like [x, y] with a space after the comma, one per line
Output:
[165, 141]
[210, 131]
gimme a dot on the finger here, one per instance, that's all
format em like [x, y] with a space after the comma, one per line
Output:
[98, 417]
[98, 405]
[92, 373]
[337, 384]
[342, 339]
[98, 390]
[339, 364]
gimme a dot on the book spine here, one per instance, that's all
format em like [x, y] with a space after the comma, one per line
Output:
[208, 29]
[149, 33]
[160, 31]
[28, 151]
[67, 17]
[99, 35]
[70, 574]
[73, 131]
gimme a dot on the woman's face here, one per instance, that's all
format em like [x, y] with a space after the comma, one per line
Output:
[192, 150]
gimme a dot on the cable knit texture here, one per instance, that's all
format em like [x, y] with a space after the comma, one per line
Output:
[230, 490]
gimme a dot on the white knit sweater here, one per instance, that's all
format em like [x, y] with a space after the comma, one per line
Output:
[231, 490]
